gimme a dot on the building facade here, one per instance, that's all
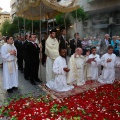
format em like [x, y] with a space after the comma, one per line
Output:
[104, 17]
[4, 16]
[13, 4]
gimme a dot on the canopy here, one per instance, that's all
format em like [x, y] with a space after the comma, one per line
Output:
[31, 9]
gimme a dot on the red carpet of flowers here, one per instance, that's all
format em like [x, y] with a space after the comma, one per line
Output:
[102, 103]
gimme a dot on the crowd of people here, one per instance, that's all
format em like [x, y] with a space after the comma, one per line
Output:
[86, 55]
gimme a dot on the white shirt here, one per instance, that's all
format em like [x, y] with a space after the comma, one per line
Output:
[106, 42]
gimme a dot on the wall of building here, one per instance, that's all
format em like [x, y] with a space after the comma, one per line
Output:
[13, 4]
[4, 17]
[93, 5]
[104, 18]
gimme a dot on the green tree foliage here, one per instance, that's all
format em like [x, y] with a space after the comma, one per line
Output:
[80, 13]
[71, 17]
[5, 28]
[10, 28]
[61, 17]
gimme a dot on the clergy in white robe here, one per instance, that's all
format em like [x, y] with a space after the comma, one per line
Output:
[52, 52]
[10, 70]
[60, 69]
[87, 71]
[1, 44]
[108, 61]
[94, 64]
[77, 68]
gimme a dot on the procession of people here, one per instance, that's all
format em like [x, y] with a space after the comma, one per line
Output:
[86, 56]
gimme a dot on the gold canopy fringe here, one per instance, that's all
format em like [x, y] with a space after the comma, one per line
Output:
[38, 17]
[23, 8]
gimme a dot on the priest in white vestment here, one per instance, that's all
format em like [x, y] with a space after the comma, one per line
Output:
[52, 52]
[60, 69]
[94, 63]
[1, 44]
[108, 61]
[10, 70]
[77, 68]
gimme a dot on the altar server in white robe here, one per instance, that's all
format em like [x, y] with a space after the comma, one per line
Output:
[1, 44]
[108, 61]
[10, 70]
[52, 52]
[77, 68]
[87, 71]
[94, 63]
[60, 69]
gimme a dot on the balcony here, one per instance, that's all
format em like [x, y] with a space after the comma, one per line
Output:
[92, 1]
[103, 21]
[116, 21]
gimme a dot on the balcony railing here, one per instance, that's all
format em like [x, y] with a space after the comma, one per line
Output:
[91, 1]
[116, 21]
[105, 21]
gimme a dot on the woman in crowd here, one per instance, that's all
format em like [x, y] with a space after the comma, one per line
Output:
[115, 43]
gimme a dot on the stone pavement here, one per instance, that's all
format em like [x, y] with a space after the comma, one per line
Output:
[25, 87]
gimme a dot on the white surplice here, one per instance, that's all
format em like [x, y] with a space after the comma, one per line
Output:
[94, 66]
[59, 83]
[77, 70]
[52, 52]
[87, 70]
[10, 70]
[108, 72]
[1, 44]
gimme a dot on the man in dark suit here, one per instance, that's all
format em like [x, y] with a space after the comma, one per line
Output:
[33, 54]
[62, 40]
[19, 46]
[104, 44]
[75, 43]
[26, 58]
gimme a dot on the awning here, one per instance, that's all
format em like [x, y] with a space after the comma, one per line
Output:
[31, 9]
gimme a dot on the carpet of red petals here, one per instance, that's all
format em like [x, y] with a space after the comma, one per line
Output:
[102, 103]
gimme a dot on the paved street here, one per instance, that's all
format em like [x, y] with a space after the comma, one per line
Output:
[25, 87]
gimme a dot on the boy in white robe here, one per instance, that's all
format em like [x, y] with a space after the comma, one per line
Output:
[10, 71]
[77, 68]
[94, 63]
[87, 71]
[52, 52]
[60, 69]
[108, 61]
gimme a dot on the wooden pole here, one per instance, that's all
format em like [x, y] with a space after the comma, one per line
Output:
[18, 25]
[47, 26]
[32, 20]
[32, 26]
[40, 46]
[53, 23]
[24, 29]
